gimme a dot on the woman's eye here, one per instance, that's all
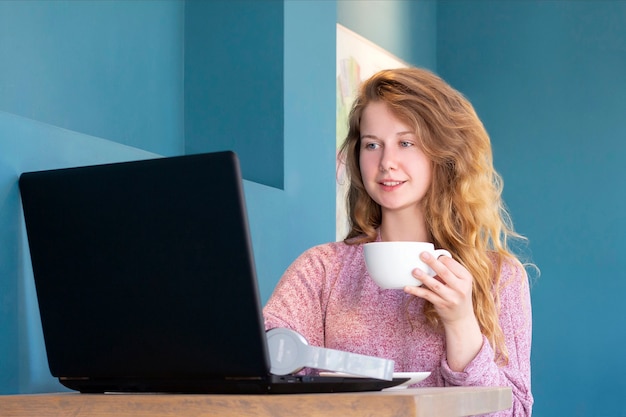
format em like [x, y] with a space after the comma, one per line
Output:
[406, 144]
[372, 146]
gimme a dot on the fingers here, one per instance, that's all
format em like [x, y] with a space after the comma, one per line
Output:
[443, 268]
[426, 292]
[449, 290]
[432, 288]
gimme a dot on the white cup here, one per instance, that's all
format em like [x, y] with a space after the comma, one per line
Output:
[390, 263]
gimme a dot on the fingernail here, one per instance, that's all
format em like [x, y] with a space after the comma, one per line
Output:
[426, 256]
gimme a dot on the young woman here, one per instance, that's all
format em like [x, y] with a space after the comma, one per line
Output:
[420, 167]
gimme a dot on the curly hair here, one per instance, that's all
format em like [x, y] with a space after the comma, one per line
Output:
[463, 207]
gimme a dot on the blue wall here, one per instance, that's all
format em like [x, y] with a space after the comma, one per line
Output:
[407, 29]
[547, 78]
[241, 107]
[71, 71]
[101, 81]
[27, 145]
[82, 82]
[84, 66]
[286, 222]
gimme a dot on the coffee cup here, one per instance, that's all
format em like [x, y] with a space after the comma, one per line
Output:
[390, 264]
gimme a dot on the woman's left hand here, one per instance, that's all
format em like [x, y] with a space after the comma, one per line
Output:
[450, 292]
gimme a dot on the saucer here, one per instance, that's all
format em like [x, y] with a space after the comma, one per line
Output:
[414, 378]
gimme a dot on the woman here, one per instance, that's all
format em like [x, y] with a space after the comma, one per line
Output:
[420, 167]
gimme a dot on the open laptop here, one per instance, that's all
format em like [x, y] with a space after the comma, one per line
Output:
[146, 282]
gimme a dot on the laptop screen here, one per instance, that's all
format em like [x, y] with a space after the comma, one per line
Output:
[145, 268]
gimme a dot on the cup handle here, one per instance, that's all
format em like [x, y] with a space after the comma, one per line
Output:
[441, 252]
[437, 253]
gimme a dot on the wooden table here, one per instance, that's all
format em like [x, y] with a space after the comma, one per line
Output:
[418, 402]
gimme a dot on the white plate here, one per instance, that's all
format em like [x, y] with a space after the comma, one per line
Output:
[414, 378]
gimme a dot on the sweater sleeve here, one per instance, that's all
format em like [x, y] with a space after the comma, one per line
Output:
[516, 322]
[297, 302]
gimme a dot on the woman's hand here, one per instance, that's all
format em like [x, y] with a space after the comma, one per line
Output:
[450, 292]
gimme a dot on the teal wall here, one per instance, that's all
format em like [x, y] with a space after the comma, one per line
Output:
[548, 80]
[101, 81]
[83, 66]
[25, 145]
[407, 29]
[82, 82]
[241, 107]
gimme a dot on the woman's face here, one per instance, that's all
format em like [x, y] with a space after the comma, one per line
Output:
[395, 171]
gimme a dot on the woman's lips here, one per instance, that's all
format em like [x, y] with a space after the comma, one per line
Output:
[389, 185]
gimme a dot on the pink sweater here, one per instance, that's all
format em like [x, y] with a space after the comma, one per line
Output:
[327, 296]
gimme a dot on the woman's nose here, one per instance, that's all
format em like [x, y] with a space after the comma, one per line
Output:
[388, 160]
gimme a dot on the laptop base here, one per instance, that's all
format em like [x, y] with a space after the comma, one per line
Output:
[288, 384]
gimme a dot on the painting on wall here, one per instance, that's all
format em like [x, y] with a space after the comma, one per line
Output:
[357, 60]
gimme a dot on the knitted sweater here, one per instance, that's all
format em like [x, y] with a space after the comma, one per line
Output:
[327, 296]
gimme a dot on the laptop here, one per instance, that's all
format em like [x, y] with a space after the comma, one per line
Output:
[146, 282]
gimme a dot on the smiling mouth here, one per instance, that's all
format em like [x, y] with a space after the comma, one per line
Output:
[391, 183]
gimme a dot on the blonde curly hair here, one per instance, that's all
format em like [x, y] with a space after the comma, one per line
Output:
[463, 206]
